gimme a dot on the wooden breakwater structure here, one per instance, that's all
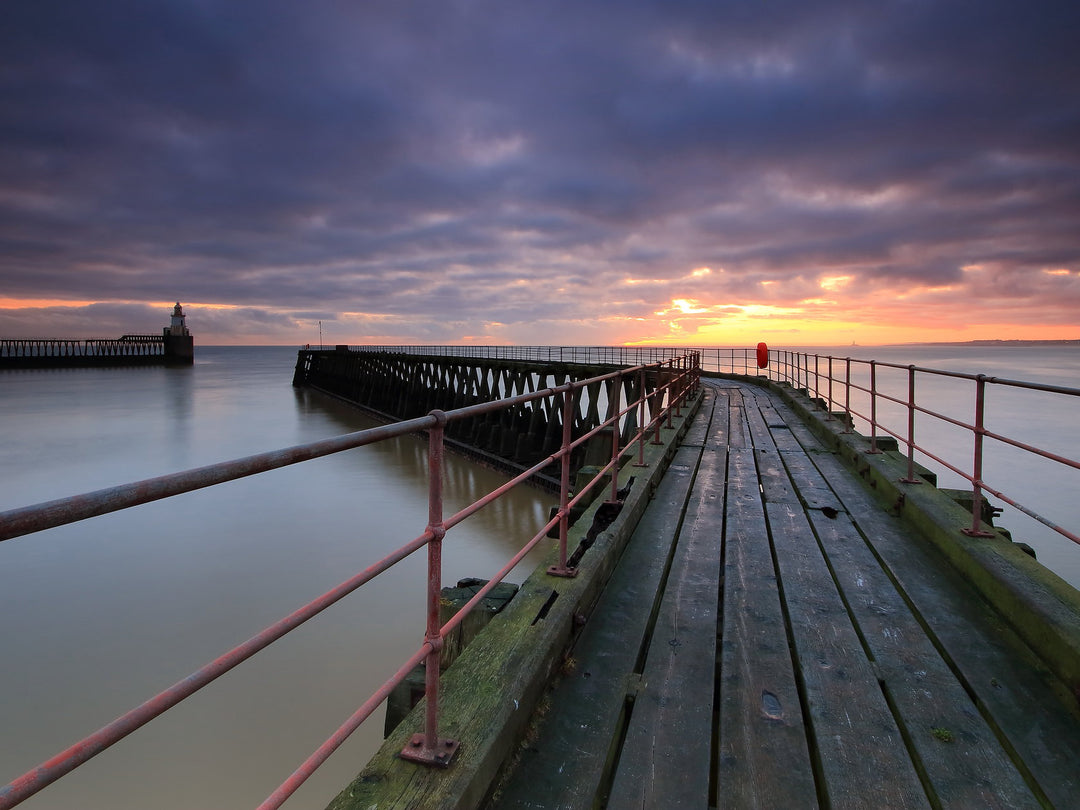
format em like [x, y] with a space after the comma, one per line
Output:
[174, 346]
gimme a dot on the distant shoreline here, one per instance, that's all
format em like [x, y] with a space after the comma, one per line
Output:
[996, 343]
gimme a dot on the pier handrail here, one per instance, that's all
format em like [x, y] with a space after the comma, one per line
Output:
[798, 369]
[819, 376]
[677, 380]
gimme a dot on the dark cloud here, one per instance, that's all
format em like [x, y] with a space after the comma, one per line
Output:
[475, 162]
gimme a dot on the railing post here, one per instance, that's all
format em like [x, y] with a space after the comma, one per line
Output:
[910, 478]
[977, 462]
[561, 569]
[678, 368]
[427, 748]
[616, 398]
[658, 400]
[873, 408]
[670, 391]
[641, 422]
[848, 421]
[817, 378]
[829, 411]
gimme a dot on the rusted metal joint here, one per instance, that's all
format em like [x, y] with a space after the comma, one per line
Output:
[440, 417]
[440, 755]
[437, 532]
[563, 571]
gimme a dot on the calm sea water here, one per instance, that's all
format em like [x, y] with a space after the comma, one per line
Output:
[99, 615]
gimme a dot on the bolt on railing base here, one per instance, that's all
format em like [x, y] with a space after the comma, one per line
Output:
[977, 533]
[562, 571]
[441, 755]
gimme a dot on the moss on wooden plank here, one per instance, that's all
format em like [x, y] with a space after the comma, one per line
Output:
[489, 694]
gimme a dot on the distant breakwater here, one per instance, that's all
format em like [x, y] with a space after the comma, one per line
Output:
[397, 386]
[128, 350]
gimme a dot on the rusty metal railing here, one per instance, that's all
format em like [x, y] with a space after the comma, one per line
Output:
[678, 379]
[829, 378]
[729, 360]
[820, 376]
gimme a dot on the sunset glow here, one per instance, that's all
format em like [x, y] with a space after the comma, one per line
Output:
[692, 175]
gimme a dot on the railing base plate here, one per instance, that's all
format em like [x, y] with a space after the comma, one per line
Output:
[440, 756]
[560, 571]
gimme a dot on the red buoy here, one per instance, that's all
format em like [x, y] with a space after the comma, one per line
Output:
[762, 355]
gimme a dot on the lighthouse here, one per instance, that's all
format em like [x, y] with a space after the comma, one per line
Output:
[177, 326]
[179, 343]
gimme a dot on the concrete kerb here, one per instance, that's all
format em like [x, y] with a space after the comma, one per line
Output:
[489, 694]
[1041, 607]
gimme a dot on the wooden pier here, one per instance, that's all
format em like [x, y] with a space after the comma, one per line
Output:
[805, 651]
[771, 637]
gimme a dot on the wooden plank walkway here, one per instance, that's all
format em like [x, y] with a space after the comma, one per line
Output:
[772, 638]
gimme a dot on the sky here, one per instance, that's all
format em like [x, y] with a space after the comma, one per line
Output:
[688, 172]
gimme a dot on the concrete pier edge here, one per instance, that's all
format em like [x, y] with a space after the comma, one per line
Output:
[1043, 608]
[490, 693]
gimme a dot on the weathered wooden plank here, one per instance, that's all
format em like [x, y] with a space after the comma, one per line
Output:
[564, 765]
[738, 432]
[701, 427]
[763, 760]
[775, 485]
[863, 759]
[1028, 707]
[962, 759]
[666, 758]
[718, 430]
[759, 428]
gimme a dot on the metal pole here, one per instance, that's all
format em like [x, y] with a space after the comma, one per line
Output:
[977, 462]
[847, 397]
[427, 748]
[873, 408]
[829, 416]
[615, 400]
[911, 479]
[641, 422]
[680, 387]
[656, 409]
[562, 570]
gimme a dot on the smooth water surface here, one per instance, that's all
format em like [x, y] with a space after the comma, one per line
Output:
[100, 615]
[97, 616]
